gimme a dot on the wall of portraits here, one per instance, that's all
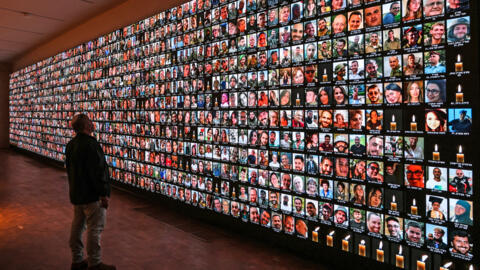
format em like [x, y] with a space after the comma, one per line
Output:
[346, 123]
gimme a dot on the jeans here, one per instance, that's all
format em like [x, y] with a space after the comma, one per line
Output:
[91, 217]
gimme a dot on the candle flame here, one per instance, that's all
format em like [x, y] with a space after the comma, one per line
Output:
[393, 198]
[362, 242]
[413, 118]
[447, 265]
[460, 149]
[459, 88]
[459, 58]
[400, 250]
[317, 228]
[324, 71]
[471, 267]
[347, 237]
[380, 246]
[424, 258]
[393, 118]
[436, 148]
[414, 202]
[331, 233]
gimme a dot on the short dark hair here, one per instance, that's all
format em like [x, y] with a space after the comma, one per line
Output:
[79, 122]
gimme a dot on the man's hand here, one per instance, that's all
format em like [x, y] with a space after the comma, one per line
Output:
[104, 202]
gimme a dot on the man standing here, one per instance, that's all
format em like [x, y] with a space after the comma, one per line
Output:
[89, 185]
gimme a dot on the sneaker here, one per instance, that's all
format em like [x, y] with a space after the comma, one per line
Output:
[102, 266]
[80, 266]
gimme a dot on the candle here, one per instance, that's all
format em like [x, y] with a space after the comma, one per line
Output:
[346, 243]
[436, 154]
[421, 263]
[393, 204]
[446, 266]
[393, 124]
[459, 94]
[413, 124]
[459, 64]
[362, 249]
[399, 261]
[233, 193]
[325, 76]
[330, 239]
[380, 252]
[460, 156]
[414, 208]
[315, 235]
[297, 101]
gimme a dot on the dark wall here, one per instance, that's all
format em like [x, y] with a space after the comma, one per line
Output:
[5, 70]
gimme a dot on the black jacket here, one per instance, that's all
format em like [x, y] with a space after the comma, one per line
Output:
[87, 170]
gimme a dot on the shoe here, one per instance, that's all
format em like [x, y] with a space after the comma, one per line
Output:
[80, 266]
[102, 266]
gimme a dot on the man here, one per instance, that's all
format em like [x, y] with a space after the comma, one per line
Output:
[309, 30]
[373, 16]
[340, 50]
[298, 163]
[326, 145]
[340, 72]
[461, 183]
[339, 24]
[375, 146]
[463, 124]
[436, 34]
[297, 32]
[276, 222]
[437, 182]
[412, 67]
[374, 45]
[414, 175]
[457, 5]
[311, 210]
[265, 218]
[434, 65]
[460, 243]
[322, 27]
[413, 232]
[459, 30]
[355, 47]
[372, 69]
[357, 148]
[396, 68]
[393, 15]
[374, 94]
[437, 241]
[411, 38]
[412, 149]
[355, 21]
[326, 166]
[297, 55]
[298, 204]
[392, 42]
[433, 7]
[341, 145]
[340, 216]
[356, 222]
[393, 227]
[289, 224]
[326, 192]
[284, 14]
[326, 212]
[373, 172]
[341, 170]
[254, 216]
[374, 222]
[310, 77]
[354, 72]
[435, 211]
[324, 52]
[88, 180]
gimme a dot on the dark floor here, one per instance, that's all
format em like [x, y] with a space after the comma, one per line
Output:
[35, 216]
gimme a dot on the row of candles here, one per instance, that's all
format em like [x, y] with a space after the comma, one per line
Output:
[380, 252]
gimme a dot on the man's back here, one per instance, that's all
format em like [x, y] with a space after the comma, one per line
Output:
[87, 170]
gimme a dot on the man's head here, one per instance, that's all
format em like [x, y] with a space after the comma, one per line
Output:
[374, 222]
[414, 232]
[460, 242]
[393, 226]
[82, 124]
